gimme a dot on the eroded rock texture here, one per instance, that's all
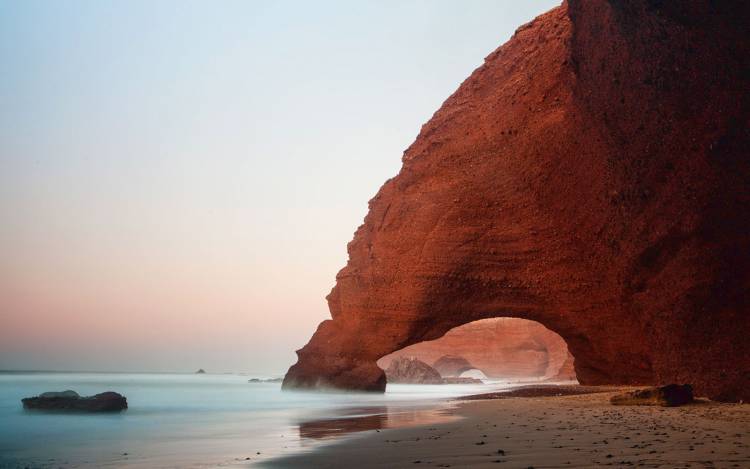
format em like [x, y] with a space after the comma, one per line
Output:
[499, 347]
[413, 371]
[447, 365]
[593, 176]
[567, 371]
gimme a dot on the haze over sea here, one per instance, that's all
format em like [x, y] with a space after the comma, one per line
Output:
[196, 420]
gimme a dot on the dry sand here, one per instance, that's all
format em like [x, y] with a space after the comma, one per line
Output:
[552, 432]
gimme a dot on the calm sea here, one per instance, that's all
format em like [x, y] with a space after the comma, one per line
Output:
[188, 420]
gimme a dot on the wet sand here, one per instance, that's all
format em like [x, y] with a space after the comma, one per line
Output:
[543, 390]
[579, 430]
[380, 418]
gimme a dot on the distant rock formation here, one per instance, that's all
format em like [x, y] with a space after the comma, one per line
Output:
[200, 371]
[450, 365]
[409, 370]
[72, 401]
[499, 347]
[591, 175]
[268, 380]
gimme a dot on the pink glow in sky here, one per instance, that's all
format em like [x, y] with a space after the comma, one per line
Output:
[178, 180]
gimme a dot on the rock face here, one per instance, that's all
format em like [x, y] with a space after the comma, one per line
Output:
[591, 175]
[71, 401]
[412, 371]
[566, 372]
[670, 395]
[447, 365]
[499, 347]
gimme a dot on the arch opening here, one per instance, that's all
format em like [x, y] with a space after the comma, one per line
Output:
[473, 373]
[498, 349]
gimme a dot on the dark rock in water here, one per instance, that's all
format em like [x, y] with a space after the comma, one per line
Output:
[72, 401]
[412, 371]
[201, 371]
[670, 395]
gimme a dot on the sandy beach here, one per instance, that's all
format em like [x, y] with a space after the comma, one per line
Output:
[550, 432]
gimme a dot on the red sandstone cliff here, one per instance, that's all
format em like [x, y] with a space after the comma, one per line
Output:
[567, 371]
[499, 347]
[593, 176]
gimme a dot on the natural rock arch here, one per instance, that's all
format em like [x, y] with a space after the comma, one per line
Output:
[502, 348]
[592, 176]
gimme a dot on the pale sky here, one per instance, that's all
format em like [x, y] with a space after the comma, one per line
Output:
[179, 179]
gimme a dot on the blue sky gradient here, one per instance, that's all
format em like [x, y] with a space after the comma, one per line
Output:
[179, 179]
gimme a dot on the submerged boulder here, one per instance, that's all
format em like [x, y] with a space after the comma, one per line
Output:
[410, 370]
[671, 395]
[72, 401]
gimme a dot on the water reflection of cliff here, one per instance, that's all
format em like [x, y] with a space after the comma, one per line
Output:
[371, 418]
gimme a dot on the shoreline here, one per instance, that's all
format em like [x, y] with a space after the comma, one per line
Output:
[542, 390]
[191, 420]
[552, 431]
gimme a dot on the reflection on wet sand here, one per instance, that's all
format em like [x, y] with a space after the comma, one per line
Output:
[371, 418]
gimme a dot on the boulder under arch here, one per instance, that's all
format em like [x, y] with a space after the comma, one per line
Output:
[452, 365]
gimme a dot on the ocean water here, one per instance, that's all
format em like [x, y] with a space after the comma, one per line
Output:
[189, 420]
